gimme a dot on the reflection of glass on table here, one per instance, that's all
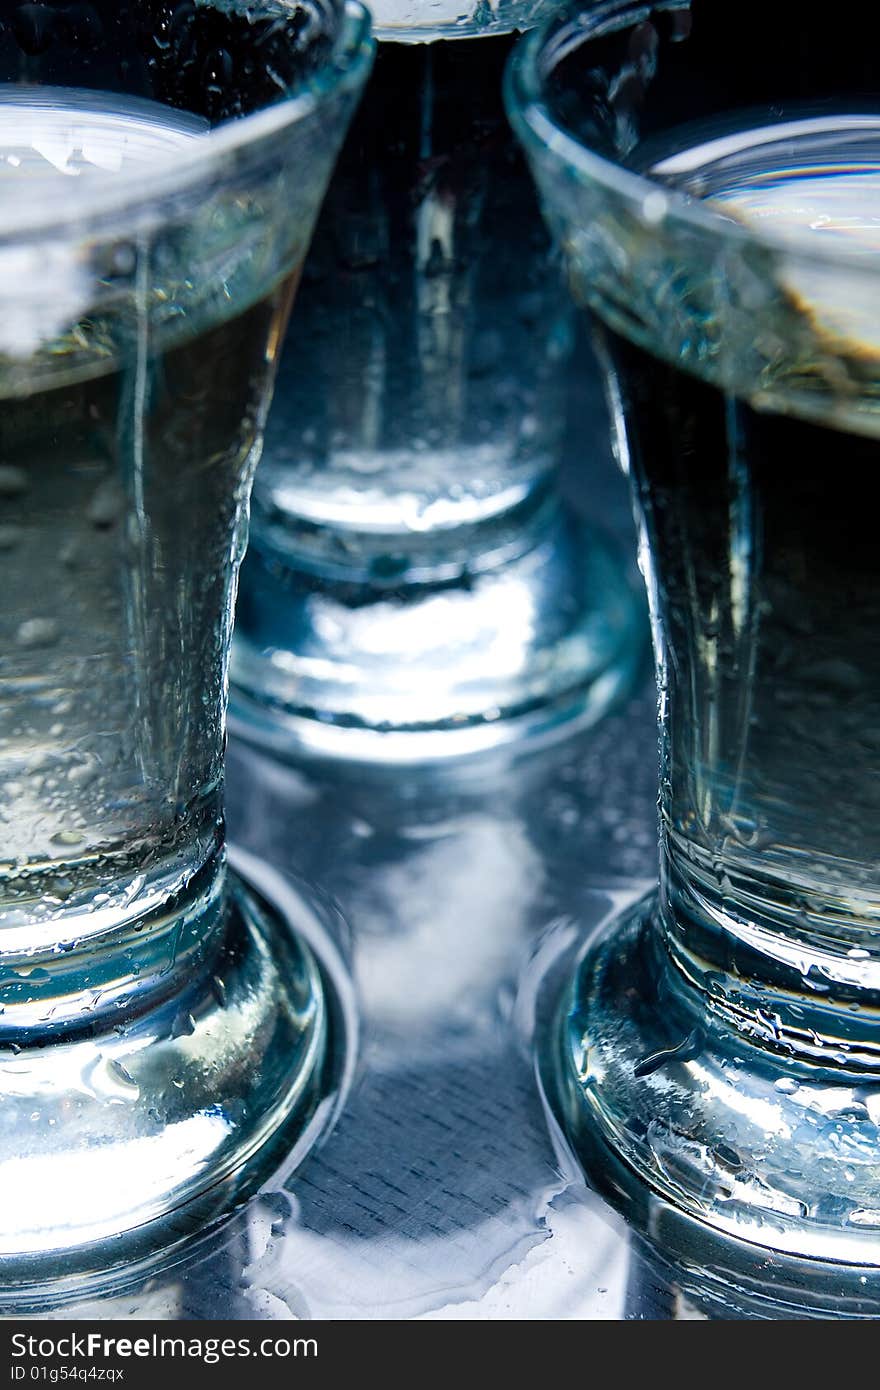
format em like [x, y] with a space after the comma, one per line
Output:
[159, 1028]
[414, 587]
[715, 188]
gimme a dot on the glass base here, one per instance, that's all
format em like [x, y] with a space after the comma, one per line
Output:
[735, 1161]
[118, 1142]
[422, 672]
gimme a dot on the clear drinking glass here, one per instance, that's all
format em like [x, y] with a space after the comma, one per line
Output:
[712, 173]
[414, 587]
[162, 1029]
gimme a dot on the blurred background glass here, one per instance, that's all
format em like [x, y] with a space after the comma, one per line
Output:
[415, 586]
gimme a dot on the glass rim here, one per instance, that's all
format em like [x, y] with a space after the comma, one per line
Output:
[345, 68]
[533, 121]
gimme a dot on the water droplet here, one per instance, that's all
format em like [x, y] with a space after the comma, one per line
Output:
[728, 1157]
[654, 207]
[81, 774]
[37, 632]
[184, 1025]
[865, 1216]
[684, 1051]
[68, 837]
[108, 1078]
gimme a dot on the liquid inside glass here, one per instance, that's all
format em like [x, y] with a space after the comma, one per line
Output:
[131, 403]
[755, 497]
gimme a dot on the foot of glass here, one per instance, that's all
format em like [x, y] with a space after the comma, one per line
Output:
[132, 1136]
[736, 1160]
[546, 641]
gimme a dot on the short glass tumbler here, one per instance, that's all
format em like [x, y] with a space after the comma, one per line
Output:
[415, 588]
[162, 1030]
[712, 173]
